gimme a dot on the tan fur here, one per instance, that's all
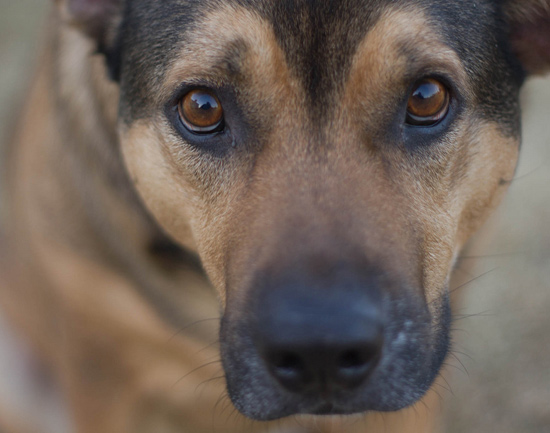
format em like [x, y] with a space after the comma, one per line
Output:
[271, 83]
[119, 363]
[376, 57]
[379, 68]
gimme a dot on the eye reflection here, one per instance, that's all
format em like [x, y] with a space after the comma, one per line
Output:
[428, 103]
[201, 112]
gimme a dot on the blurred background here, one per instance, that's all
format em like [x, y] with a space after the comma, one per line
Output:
[499, 373]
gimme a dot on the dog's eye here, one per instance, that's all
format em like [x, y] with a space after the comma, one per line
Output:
[201, 111]
[428, 103]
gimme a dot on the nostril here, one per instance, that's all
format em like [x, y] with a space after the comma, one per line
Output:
[288, 362]
[289, 368]
[352, 359]
[354, 365]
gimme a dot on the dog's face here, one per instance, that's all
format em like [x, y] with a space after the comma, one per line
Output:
[327, 160]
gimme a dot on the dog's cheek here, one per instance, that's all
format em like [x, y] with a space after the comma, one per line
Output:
[189, 197]
[163, 192]
[451, 200]
[493, 157]
[490, 159]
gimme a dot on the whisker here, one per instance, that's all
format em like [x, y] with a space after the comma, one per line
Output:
[448, 387]
[196, 369]
[207, 381]
[456, 367]
[457, 318]
[197, 322]
[473, 279]
[523, 176]
[453, 354]
[208, 346]
[490, 256]
[222, 396]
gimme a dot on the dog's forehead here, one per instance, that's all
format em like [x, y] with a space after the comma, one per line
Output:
[318, 40]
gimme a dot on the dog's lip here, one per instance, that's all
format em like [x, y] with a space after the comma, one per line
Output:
[327, 408]
[325, 405]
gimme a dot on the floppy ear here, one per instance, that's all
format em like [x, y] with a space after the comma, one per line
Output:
[529, 22]
[97, 18]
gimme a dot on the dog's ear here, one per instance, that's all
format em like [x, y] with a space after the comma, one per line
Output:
[529, 22]
[98, 19]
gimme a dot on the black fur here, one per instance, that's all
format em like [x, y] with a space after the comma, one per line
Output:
[319, 39]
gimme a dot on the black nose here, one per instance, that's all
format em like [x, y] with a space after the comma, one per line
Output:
[319, 341]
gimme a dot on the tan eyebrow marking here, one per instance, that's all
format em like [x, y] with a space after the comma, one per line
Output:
[381, 62]
[233, 39]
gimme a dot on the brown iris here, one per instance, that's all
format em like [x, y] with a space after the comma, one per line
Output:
[201, 112]
[428, 103]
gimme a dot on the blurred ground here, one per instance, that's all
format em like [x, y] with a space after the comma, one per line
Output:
[501, 382]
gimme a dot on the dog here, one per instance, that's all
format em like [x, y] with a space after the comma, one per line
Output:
[297, 177]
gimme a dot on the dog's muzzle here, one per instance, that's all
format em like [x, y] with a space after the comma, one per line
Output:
[336, 342]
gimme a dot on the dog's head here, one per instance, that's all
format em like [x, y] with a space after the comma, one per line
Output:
[327, 160]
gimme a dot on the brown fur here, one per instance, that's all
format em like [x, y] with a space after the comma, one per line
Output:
[532, 47]
[120, 366]
[86, 311]
[231, 207]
